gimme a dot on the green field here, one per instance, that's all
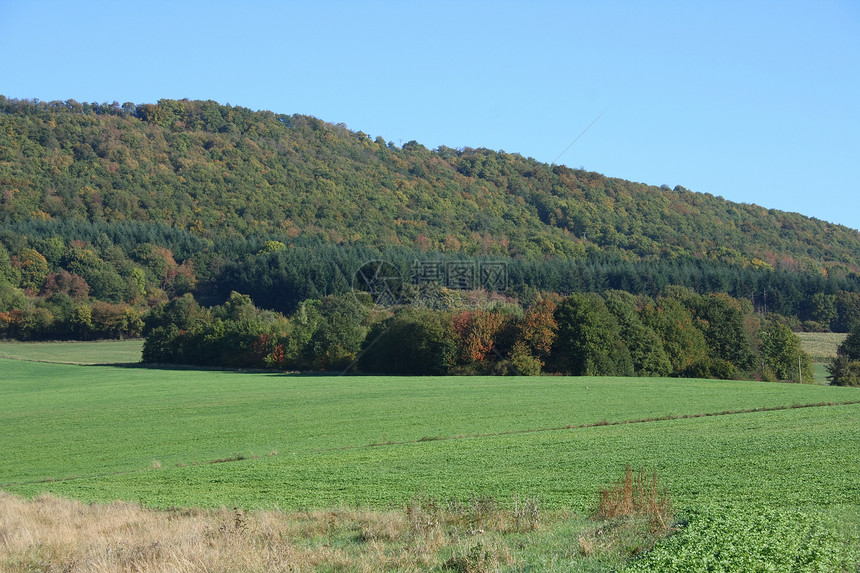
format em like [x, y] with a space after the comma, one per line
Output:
[168, 438]
[100, 352]
[377, 440]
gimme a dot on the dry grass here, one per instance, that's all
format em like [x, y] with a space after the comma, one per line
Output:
[641, 496]
[634, 514]
[821, 346]
[50, 534]
[56, 535]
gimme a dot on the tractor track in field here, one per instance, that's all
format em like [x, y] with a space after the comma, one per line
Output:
[425, 439]
[601, 423]
[236, 458]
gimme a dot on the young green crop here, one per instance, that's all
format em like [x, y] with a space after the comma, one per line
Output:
[785, 458]
[147, 435]
[741, 538]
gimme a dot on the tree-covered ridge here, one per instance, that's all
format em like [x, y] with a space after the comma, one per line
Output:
[220, 172]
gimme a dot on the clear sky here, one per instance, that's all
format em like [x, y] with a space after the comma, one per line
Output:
[758, 102]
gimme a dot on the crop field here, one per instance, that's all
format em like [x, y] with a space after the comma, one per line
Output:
[290, 443]
[821, 346]
[99, 352]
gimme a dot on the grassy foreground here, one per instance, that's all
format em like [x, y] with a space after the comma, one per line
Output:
[363, 473]
[70, 536]
[52, 534]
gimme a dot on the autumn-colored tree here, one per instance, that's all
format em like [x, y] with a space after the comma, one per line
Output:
[35, 323]
[80, 255]
[177, 279]
[157, 260]
[477, 333]
[81, 322]
[181, 279]
[538, 330]
[33, 267]
[65, 282]
[271, 247]
[262, 348]
[9, 322]
[116, 320]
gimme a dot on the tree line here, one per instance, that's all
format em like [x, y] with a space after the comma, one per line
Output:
[677, 333]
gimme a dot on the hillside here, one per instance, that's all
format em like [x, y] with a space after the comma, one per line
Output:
[220, 172]
[108, 211]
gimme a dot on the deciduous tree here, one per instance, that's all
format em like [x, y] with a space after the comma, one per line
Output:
[589, 339]
[782, 354]
[845, 368]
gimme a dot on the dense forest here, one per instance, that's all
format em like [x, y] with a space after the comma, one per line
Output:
[221, 171]
[108, 212]
[679, 333]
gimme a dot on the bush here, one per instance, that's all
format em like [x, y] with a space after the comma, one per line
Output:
[845, 368]
[812, 326]
[589, 341]
[161, 346]
[522, 362]
[634, 496]
[844, 372]
[714, 368]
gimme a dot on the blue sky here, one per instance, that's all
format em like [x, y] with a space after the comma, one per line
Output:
[758, 102]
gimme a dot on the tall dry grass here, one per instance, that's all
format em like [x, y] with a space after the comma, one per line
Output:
[53, 535]
[57, 535]
[50, 534]
[634, 496]
[634, 514]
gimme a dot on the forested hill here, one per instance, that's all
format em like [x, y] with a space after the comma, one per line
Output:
[220, 171]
